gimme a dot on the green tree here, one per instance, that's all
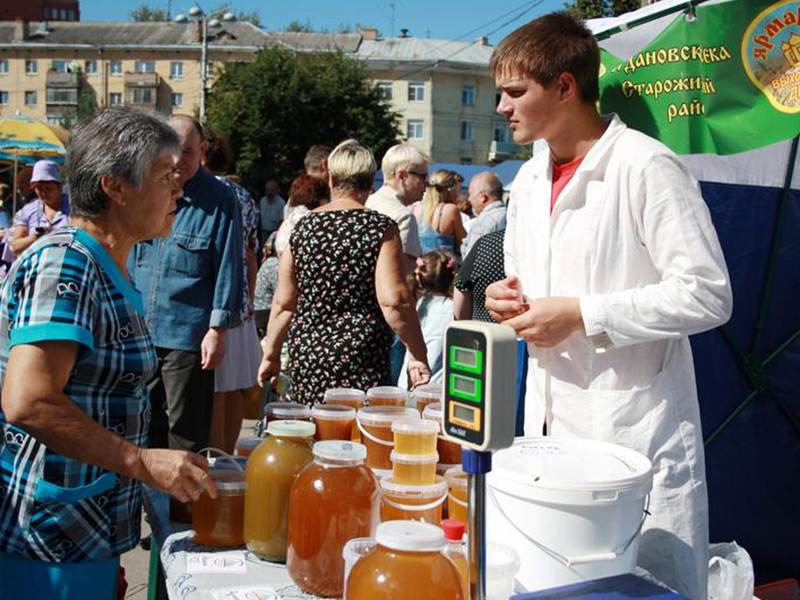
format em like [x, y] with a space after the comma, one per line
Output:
[276, 107]
[298, 27]
[145, 12]
[86, 107]
[593, 9]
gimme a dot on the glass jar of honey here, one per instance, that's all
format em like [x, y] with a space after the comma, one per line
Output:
[271, 471]
[219, 521]
[423, 395]
[449, 452]
[345, 397]
[406, 564]
[387, 395]
[333, 500]
[375, 425]
[333, 421]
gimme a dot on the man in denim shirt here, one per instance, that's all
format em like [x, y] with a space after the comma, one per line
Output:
[191, 285]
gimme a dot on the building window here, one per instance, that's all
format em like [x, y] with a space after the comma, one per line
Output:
[115, 67]
[70, 15]
[145, 66]
[31, 67]
[384, 90]
[62, 96]
[4, 66]
[31, 99]
[3, 98]
[416, 91]
[59, 66]
[90, 67]
[501, 133]
[54, 119]
[176, 70]
[468, 95]
[414, 129]
[114, 99]
[176, 100]
[143, 96]
[466, 130]
[63, 14]
[466, 160]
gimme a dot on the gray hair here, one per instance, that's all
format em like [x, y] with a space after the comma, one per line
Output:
[120, 141]
[352, 166]
[490, 183]
[401, 158]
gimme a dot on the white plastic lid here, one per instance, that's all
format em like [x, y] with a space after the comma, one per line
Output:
[415, 425]
[456, 477]
[571, 464]
[410, 536]
[341, 452]
[288, 410]
[387, 391]
[384, 415]
[429, 390]
[433, 412]
[502, 562]
[421, 492]
[333, 412]
[344, 394]
[290, 428]
[414, 459]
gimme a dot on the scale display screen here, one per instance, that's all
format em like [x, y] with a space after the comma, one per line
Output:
[467, 358]
[465, 385]
[464, 413]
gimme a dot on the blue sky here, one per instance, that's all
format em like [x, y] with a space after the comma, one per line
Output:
[448, 19]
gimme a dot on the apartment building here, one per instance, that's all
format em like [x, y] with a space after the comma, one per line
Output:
[441, 88]
[40, 10]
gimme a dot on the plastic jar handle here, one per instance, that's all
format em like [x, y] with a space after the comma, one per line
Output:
[456, 500]
[221, 455]
[414, 507]
[372, 437]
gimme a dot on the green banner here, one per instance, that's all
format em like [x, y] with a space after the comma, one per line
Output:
[721, 81]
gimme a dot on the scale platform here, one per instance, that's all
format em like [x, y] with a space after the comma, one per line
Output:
[619, 587]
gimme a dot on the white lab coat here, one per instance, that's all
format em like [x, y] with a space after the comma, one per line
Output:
[630, 236]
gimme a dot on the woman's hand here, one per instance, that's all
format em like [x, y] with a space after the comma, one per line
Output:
[268, 370]
[418, 373]
[180, 473]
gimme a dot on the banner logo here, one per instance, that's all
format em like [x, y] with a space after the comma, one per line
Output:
[771, 54]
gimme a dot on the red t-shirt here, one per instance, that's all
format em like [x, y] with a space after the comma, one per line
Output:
[561, 176]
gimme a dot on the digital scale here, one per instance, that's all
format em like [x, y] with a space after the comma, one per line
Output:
[479, 412]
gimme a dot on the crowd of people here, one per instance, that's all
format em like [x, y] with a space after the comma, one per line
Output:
[131, 313]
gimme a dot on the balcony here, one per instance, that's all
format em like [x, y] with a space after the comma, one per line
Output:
[142, 80]
[56, 79]
[502, 150]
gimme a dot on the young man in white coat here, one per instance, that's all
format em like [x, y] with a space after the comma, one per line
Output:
[612, 262]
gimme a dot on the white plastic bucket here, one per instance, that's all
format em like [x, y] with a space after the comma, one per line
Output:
[573, 509]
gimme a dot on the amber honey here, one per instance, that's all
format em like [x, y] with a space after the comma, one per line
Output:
[457, 498]
[449, 452]
[407, 564]
[375, 424]
[334, 499]
[345, 397]
[387, 395]
[271, 471]
[427, 394]
[334, 422]
[220, 521]
[245, 446]
[414, 469]
[412, 502]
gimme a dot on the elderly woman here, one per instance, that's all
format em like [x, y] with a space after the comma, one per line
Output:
[74, 355]
[342, 291]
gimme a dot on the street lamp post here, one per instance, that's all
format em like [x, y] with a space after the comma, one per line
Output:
[196, 14]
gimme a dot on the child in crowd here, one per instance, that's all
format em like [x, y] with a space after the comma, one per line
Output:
[432, 285]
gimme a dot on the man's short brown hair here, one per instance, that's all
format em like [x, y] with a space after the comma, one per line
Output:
[549, 46]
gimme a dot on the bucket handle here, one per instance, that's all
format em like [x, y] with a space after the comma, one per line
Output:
[456, 500]
[414, 507]
[377, 440]
[569, 561]
[221, 456]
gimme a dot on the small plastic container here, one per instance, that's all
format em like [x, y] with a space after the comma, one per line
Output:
[442, 468]
[415, 436]
[375, 425]
[502, 566]
[287, 411]
[353, 551]
[449, 452]
[456, 549]
[245, 446]
[387, 395]
[457, 498]
[406, 564]
[333, 421]
[345, 397]
[422, 396]
[414, 469]
[412, 502]
[219, 522]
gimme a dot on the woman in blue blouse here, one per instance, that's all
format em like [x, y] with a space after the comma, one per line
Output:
[74, 355]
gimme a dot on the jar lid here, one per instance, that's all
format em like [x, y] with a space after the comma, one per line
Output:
[228, 480]
[502, 562]
[433, 412]
[410, 536]
[415, 425]
[420, 492]
[384, 415]
[456, 477]
[288, 410]
[341, 452]
[429, 390]
[291, 428]
[343, 394]
[333, 411]
[387, 391]
[413, 459]
[453, 529]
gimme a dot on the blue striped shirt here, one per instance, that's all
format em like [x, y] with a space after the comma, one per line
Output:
[54, 508]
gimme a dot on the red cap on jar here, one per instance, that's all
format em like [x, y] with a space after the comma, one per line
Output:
[453, 529]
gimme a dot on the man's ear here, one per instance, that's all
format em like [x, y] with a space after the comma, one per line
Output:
[567, 86]
[112, 186]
